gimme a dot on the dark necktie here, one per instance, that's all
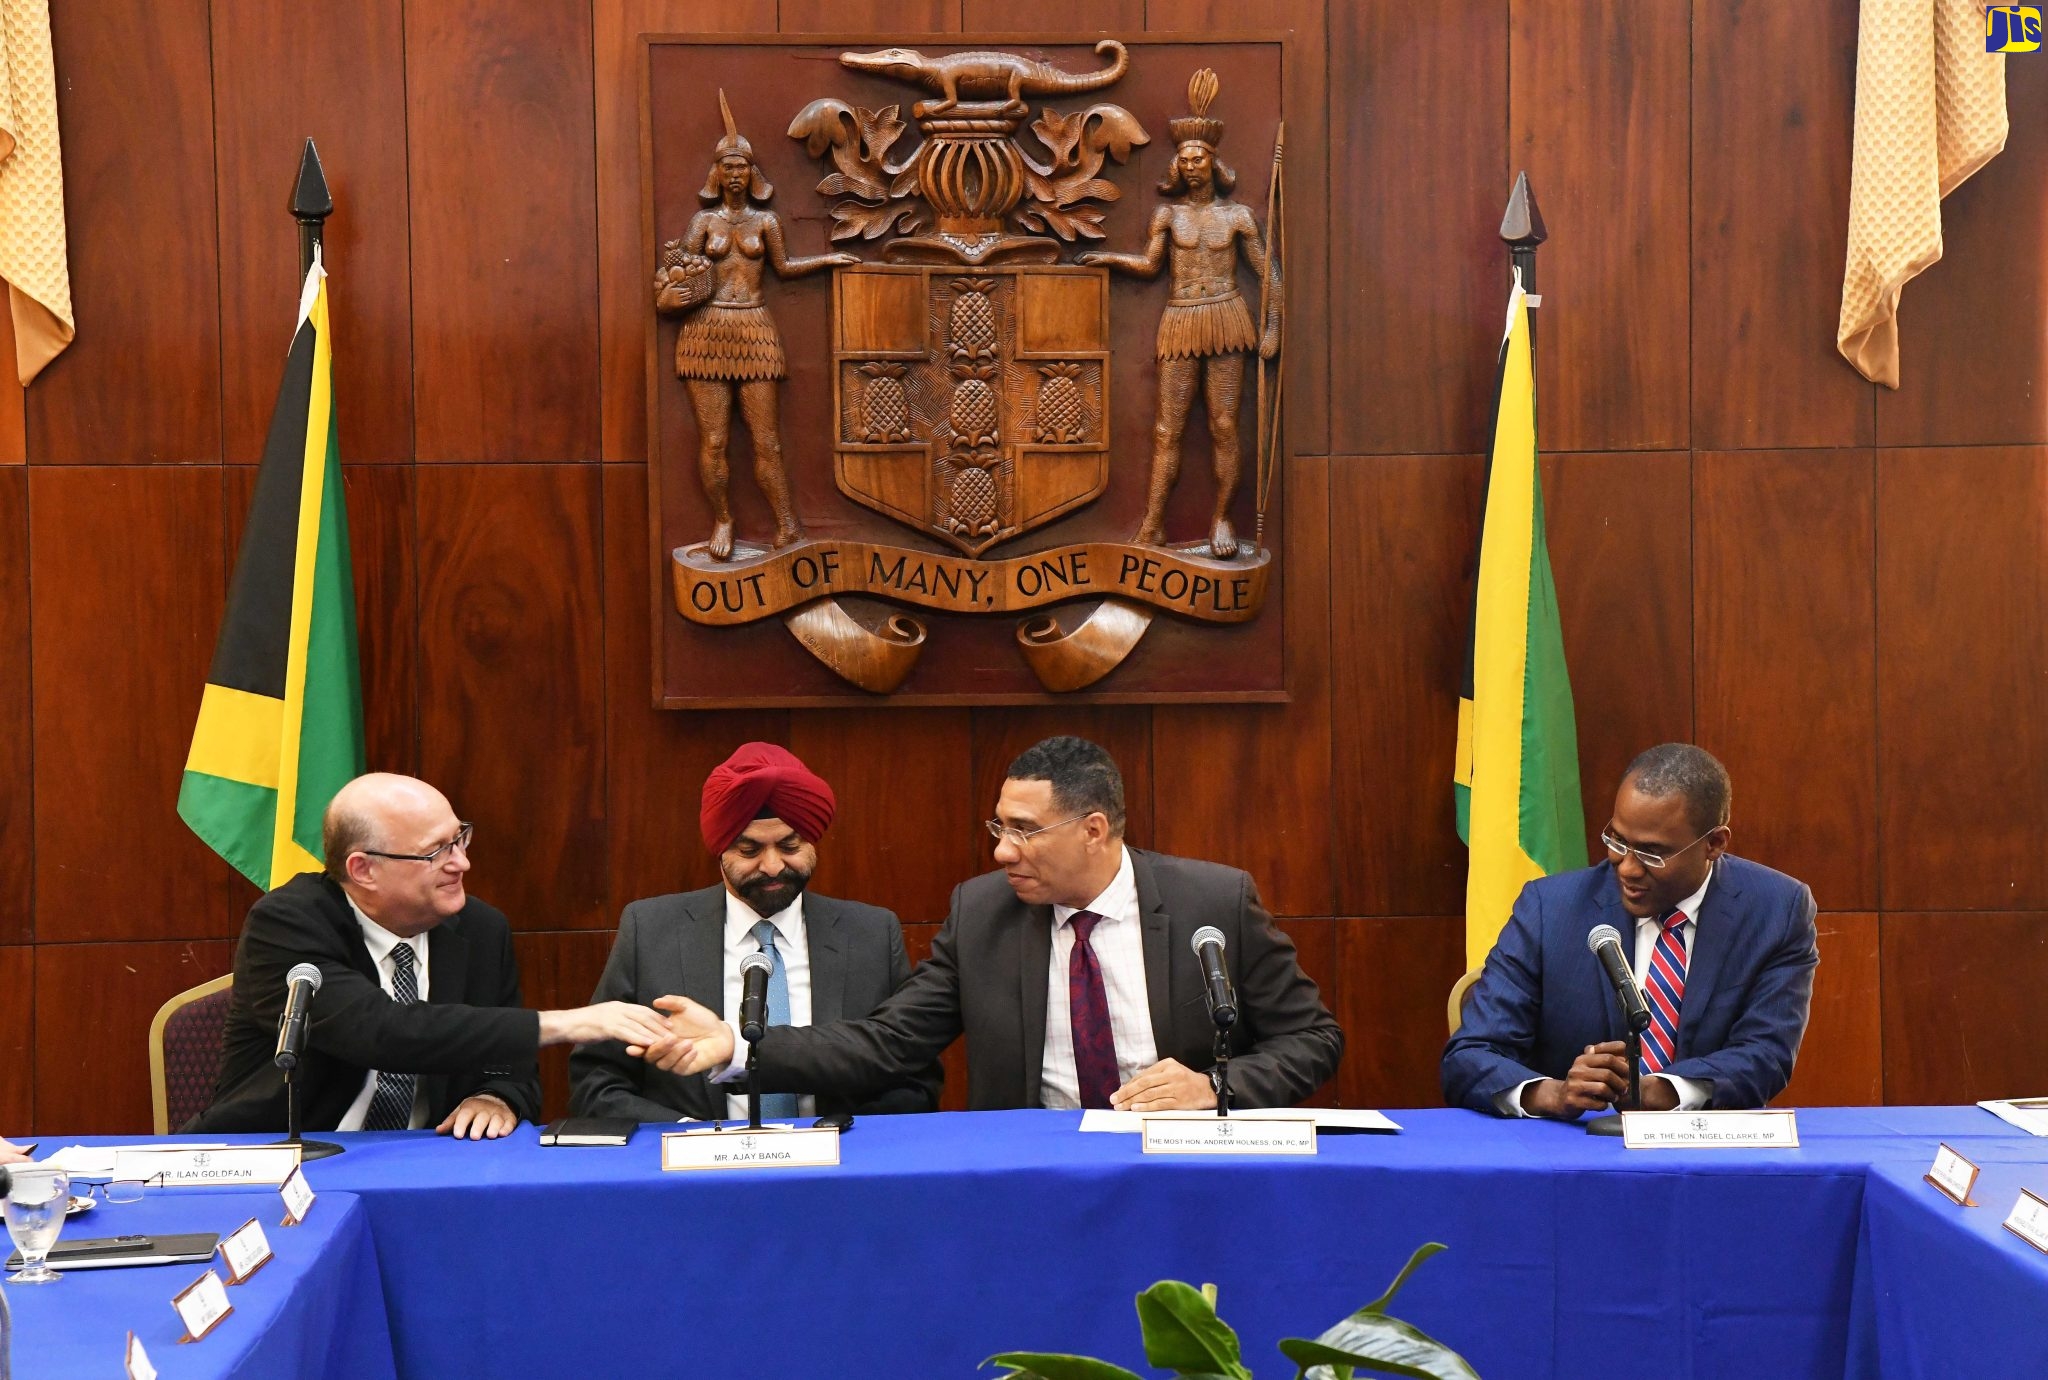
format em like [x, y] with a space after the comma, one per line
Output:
[391, 1105]
[1088, 1009]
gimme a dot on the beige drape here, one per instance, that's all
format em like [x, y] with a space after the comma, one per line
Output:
[32, 258]
[1930, 110]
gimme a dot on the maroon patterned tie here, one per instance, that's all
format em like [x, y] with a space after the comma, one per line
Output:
[1088, 1009]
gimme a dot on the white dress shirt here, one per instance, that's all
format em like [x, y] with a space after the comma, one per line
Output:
[382, 943]
[1119, 944]
[793, 946]
[1693, 1093]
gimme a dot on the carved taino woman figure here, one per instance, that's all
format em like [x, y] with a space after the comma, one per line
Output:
[729, 343]
[1206, 330]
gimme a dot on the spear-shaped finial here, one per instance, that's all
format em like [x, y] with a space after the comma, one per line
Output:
[725, 110]
[311, 205]
[1522, 228]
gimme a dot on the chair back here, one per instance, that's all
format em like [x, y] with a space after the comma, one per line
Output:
[184, 1052]
[1460, 990]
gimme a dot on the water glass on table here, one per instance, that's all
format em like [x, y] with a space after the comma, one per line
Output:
[36, 1201]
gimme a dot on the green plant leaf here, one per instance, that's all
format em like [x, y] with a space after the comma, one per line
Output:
[1045, 1365]
[1380, 1343]
[1422, 1253]
[1184, 1335]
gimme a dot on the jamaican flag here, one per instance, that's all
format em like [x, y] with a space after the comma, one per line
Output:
[281, 723]
[1517, 774]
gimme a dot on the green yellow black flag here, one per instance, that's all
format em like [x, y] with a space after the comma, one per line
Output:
[281, 724]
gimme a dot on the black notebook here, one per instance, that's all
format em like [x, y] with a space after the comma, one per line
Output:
[106, 1252]
[589, 1130]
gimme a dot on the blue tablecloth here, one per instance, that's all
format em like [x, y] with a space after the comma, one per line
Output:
[316, 1310]
[941, 1239]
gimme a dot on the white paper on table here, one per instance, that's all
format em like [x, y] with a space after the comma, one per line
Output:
[1325, 1118]
[97, 1161]
[2030, 1114]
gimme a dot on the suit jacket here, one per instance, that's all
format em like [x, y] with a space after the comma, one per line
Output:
[469, 1036]
[1544, 997]
[675, 946]
[987, 978]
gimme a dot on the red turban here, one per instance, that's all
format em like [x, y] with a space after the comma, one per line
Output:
[761, 781]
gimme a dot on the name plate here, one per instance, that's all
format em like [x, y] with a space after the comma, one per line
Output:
[202, 1305]
[297, 1195]
[1953, 1174]
[1768, 1130]
[139, 1367]
[1204, 1133]
[780, 1148]
[235, 1164]
[2029, 1220]
[245, 1251]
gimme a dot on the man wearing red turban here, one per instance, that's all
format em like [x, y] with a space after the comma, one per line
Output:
[762, 816]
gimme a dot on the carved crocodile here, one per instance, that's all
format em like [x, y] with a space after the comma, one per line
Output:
[986, 76]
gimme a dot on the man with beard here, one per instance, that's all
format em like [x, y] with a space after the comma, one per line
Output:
[763, 814]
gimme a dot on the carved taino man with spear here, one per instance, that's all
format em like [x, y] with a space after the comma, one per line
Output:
[1206, 330]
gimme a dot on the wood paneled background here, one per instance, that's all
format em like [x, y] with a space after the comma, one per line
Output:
[1843, 591]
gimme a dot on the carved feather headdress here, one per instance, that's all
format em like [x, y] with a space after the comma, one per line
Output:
[734, 143]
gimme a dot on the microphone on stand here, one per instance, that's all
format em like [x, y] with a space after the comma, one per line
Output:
[1605, 942]
[300, 985]
[754, 971]
[1207, 943]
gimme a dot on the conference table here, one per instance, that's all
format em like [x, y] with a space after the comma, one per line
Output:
[939, 1240]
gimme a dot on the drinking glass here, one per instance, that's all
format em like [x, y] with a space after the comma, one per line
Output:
[34, 1208]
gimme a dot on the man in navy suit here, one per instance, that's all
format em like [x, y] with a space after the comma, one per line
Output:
[1724, 950]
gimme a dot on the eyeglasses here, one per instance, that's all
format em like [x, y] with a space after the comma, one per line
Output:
[1004, 833]
[463, 834]
[119, 1190]
[1620, 850]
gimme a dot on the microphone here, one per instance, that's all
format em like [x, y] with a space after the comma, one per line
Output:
[300, 985]
[1605, 942]
[754, 971]
[1207, 943]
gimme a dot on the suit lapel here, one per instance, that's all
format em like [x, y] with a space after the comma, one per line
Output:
[700, 950]
[828, 960]
[1155, 924]
[1713, 939]
[1033, 925]
[1611, 913]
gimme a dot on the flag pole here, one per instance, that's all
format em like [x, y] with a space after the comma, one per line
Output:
[311, 205]
[1522, 228]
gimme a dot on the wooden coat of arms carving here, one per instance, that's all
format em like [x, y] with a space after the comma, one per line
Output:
[1010, 432]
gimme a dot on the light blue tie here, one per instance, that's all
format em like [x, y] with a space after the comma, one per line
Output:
[775, 1106]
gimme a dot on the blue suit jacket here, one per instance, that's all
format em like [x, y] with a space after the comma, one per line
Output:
[1544, 998]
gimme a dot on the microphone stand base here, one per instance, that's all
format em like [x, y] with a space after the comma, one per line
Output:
[314, 1149]
[1609, 1125]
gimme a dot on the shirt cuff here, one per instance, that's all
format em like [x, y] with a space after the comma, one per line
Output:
[738, 1067]
[1509, 1103]
[1693, 1093]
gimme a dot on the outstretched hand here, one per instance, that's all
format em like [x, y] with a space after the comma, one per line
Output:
[696, 1041]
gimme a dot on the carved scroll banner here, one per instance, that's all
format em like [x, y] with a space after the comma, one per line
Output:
[951, 361]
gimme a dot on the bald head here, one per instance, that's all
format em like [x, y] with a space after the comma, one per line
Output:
[372, 810]
[392, 843]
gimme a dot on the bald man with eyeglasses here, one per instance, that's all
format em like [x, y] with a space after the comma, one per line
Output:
[1723, 948]
[418, 1021]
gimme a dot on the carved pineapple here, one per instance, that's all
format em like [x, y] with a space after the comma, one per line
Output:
[884, 409]
[975, 502]
[973, 409]
[1059, 404]
[973, 327]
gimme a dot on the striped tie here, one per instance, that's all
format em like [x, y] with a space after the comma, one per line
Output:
[391, 1104]
[1665, 987]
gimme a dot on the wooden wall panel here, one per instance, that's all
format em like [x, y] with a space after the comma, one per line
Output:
[511, 680]
[17, 758]
[1053, 16]
[336, 74]
[655, 761]
[1962, 678]
[623, 291]
[1773, 93]
[1620, 531]
[94, 1003]
[869, 16]
[1787, 638]
[1961, 1000]
[905, 833]
[1397, 975]
[1242, 754]
[1315, 947]
[17, 1040]
[1598, 115]
[1418, 275]
[1400, 618]
[500, 138]
[134, 103]
[1973, 337]
[559, 970]
[126, 592]
[13, 400]
[1841, 1063]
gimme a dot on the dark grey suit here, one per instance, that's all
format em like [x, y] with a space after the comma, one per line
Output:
[675, 946]
[987, 978]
